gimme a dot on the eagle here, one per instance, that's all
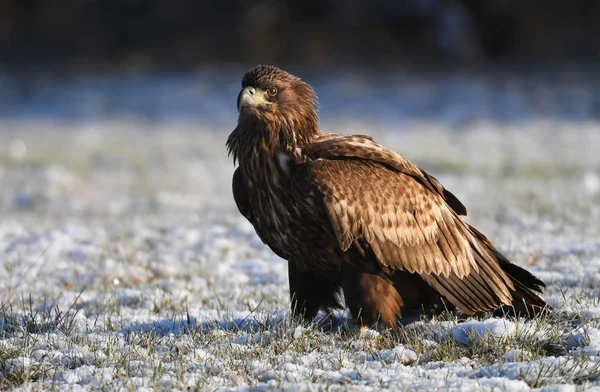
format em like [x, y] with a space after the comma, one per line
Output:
[354, 217]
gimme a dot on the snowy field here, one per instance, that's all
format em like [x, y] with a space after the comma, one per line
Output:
[124, 263]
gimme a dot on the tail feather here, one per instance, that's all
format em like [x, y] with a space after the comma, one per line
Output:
[525, 302]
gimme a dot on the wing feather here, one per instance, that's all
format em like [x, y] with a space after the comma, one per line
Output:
[240, 195]
[405, 219]
[242, 201]
[407, 223]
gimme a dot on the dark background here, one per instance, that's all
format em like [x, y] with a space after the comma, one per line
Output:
[452, 62]
[94, 34]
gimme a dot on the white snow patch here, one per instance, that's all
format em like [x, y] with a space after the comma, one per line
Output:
[143, 275]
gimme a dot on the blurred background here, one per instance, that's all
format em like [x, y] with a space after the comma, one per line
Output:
[125, 105]
[157, 58]
[114, 116]
[150, 34]
[115, 180]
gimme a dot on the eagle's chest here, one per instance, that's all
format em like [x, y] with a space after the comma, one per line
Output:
[286, 214]
[269, 189]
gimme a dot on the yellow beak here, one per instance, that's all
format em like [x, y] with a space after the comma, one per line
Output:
[250, 97]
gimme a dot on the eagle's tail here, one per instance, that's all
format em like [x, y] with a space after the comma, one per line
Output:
[526, 302]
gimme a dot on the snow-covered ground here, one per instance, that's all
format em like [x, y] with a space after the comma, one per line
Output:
[125, 264]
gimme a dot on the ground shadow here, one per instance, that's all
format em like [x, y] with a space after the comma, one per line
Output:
[252, 323]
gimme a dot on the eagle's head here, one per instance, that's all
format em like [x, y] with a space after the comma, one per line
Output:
[272, 97]
[277, 112]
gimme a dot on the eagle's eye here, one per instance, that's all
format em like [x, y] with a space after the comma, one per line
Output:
[272, 91]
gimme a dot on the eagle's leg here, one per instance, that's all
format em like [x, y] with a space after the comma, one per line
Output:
[371, 298]
[310, 292]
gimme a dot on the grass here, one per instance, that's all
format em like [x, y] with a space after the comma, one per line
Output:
[181, 352]
[108, 286]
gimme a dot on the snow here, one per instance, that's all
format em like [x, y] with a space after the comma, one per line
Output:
[124, 263]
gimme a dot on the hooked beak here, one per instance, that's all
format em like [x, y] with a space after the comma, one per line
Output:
[250, 97]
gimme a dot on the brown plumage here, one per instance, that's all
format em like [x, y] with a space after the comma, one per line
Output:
[349, 214]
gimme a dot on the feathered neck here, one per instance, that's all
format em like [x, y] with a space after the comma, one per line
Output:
[269, 135]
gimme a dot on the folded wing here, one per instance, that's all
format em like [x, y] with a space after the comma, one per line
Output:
[379, 205]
